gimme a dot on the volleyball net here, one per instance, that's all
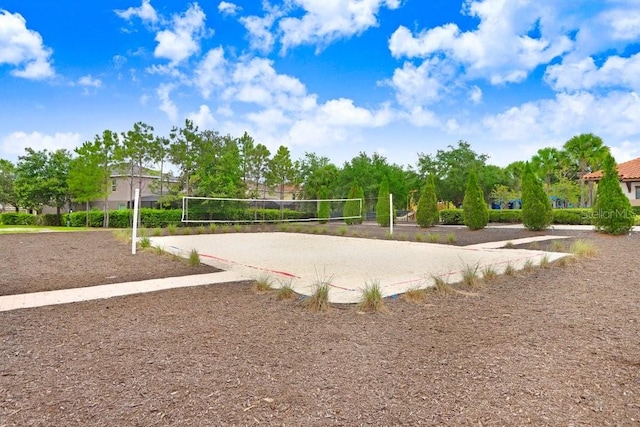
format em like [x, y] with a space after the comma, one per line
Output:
[231, 210]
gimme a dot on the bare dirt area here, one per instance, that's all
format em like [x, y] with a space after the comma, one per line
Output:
[553, 346]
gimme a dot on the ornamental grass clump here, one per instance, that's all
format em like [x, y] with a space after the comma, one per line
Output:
[371, 300]
[194, 258]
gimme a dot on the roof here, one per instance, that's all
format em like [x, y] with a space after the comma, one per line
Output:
[627, 171]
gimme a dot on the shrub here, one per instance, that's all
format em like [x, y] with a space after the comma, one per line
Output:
[451, 217]
[352, 207]
[14, 218]
[372, 298]
[383, 210]
[363, 205]
[612, 213]
[511, 216]
[324, 208]
[537, 212]
[573, 216]
[427, 213]
[475, 210]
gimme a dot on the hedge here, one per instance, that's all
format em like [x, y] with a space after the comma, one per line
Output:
[511, 216]
[571, 216]
[451, 217]
[14, 218]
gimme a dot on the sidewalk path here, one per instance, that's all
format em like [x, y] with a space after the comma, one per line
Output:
[64, 296]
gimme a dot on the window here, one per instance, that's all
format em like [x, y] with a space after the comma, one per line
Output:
[638, 193]
[114, 184]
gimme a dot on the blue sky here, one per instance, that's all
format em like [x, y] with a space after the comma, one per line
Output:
[334, 77]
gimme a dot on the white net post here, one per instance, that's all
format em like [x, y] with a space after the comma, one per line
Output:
[391, 215]
[136, 198]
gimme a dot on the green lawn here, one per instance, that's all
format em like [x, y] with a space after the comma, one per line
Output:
[15, 229]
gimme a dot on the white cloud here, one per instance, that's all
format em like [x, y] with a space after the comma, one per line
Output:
[145, 12]
[501, 49]
[423, 84]
[261, 37]
[329, 20]
[203, 119]
[23, 48]
[15, 143]
[475, 94]
[89, 81]
[211, 72]
[182, 40]
[551, 122]
[616, 71]
[228, 9]
[166, 104]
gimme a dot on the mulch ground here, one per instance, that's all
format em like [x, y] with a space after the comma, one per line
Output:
[553, 346]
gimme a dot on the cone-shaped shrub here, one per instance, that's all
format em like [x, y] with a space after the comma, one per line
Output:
[324, 209]
[612, 212]
[363, 207]
[383, 211]
[537, 213]
[475, 211]
[352, 207]
[427, 214]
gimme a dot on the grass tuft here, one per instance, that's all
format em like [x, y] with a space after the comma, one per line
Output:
[415, 295]
[213, 227]
[343, 230]
[509, 245]
[372, 300]
[200, 229]
[544, 262]
[433, 238]
[489, 273]
[451, 238]
[157, 232]
[557, 246]
[470, 275]
[145, 242]
[285, 292]
[263, 284]
[319, 300]
[172, 228]
[160, 250]
[509, 270]
[581, 249]
[237, 228]
[194, 258]
[441, 286]
[528, 266]
[419, 237]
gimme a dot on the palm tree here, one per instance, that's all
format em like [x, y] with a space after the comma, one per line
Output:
[586, 152]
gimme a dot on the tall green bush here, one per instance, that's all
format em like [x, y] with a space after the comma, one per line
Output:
[383, 210]
[537, 213]
[324, 207]
[427, 214]
[475, 210]
[612, 212]
[352, 211]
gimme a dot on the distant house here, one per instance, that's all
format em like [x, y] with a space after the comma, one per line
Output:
[629, 176]
[122, 189]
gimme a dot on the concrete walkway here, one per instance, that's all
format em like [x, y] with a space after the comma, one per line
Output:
[65, 296]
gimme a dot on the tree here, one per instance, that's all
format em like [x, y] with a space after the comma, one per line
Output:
[107, 145]
[451, 169]
[258, 164]
[502, 194]
[612, 212]
[324, 208]
[136, 152]
[315, 174]
[352, 210]
[159, 151]
[475, 210]
[41, 179]
[383, 210]
[181, 152]
[280, 170]
[546, 165]
[86, 178]
[7, 177]
[585, 153]
[427, 213]
[537, 213]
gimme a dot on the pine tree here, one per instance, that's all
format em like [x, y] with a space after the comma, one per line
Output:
[324, 208]
[427, 213]
[612, 212]
[537, 213]
[352, 207]
[383, 211]
[475, 210]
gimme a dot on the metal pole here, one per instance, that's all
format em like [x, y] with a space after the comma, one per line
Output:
[391, 215]
[136, 198]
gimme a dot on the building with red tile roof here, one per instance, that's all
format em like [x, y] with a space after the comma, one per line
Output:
[629, 176]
